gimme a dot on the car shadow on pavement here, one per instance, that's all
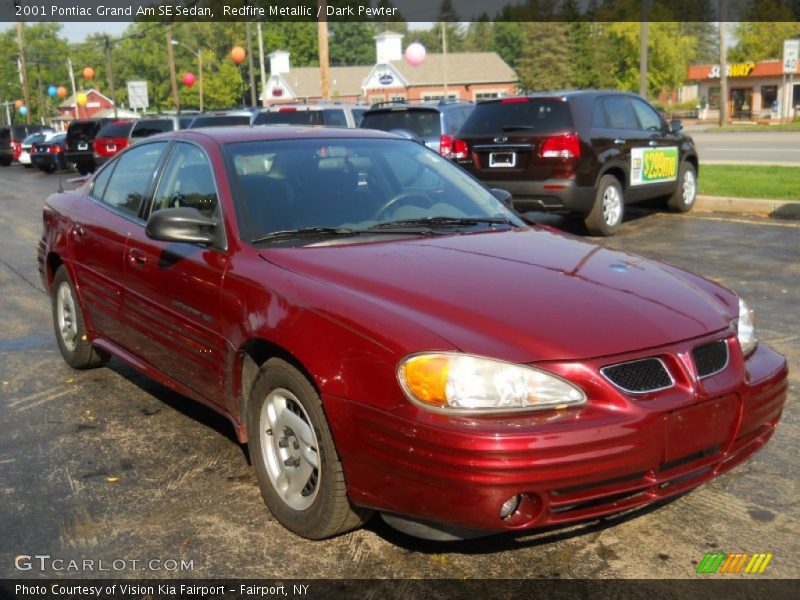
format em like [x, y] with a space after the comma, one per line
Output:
[186, 406]
[505, 541]
[574, 224]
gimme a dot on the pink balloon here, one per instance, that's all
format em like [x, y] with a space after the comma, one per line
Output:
[415, 54]
[189, 79]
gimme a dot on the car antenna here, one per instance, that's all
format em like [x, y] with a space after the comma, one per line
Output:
[60, 183]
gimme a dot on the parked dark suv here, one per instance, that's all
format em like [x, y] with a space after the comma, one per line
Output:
[433, 123]
[80, 143]
[584, 152]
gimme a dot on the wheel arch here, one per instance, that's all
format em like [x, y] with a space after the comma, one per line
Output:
[616, 171]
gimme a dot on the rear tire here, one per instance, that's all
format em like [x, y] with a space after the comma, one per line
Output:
[292, 450]
[5, 162]
[69, 326]
[685, 194]
[608, 208]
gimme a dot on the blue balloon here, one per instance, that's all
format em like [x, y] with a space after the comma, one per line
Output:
[52, 91]
[23, 110]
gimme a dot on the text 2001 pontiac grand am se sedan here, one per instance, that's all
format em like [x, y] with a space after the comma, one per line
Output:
[387, 336]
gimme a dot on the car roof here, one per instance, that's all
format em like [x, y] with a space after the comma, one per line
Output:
[441, 106]
[565, 94]
[224, 135]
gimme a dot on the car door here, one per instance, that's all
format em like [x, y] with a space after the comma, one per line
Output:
[622, 132]
[658, 151]
[99, 234]
[173, 289]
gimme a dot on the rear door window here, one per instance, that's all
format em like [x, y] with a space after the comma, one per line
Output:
[619, 114]
[128, 185]
[540, 117]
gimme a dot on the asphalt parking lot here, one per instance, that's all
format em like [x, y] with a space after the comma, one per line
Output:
[107, 465]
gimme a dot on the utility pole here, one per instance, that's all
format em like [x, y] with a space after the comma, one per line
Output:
[324, 60]
[643, 41]
[110, 68]
[8, 112]
[723, 65]
[42, 107]
[261, 62]
[72, 81]
[250, 68]
[173, 80]
[444, 57]
[22, 71]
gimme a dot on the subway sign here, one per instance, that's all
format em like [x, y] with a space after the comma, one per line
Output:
[733, 70]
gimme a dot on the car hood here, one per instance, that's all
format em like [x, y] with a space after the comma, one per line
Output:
[524, 295]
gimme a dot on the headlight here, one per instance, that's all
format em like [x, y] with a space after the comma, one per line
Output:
[461, 383]
[746, 328]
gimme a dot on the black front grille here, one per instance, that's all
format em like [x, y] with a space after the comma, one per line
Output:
[639, 376]
[710, 358]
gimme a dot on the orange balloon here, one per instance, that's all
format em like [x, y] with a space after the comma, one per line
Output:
[61, 92]
[18, 104]
[238, 54]
[88, 73]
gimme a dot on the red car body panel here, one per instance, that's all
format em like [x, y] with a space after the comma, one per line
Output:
[347, 314]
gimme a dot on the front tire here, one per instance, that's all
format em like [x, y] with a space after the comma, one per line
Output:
[70, 330]
[608, 208]
[292, 450]
[685, 194]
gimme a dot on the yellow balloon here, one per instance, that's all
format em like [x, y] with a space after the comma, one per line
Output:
[81, 99]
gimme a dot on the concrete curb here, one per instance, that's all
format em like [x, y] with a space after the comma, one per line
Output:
[780, 209]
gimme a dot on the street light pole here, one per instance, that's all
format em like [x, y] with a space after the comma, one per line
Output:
[110, 68]
[199, 55]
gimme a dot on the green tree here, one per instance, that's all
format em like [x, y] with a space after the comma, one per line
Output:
[351, 43]
[545, 63]
[479, 36]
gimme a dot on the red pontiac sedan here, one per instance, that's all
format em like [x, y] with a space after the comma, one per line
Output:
[386, 335]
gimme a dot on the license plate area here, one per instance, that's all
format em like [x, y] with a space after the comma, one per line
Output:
[83, 146]
[502, 160]
[111, 147]
[702, 426]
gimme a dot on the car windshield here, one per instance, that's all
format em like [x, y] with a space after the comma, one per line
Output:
[147, 127]
[295, 191]
[540, 116]
[220, 121]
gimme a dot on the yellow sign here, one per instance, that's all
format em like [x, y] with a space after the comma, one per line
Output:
[733, 70]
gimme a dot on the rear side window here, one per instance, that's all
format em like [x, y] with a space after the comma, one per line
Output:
[116, 129]
[619, 114]
[5, 133]
[20, 132]
[538, 116]
[289, 117]
[147, 127]
[127, 187]
[334, 117]
[424, 123]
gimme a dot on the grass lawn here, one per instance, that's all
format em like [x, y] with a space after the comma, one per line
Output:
[750, 181]
[793, 126]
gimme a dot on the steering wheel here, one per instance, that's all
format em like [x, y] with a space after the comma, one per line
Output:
[397, 199]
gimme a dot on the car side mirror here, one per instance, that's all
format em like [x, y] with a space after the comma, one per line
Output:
[675, 125]
[504, 196]
[184, 224]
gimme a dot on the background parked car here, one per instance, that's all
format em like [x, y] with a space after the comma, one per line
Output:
[583, 152]
[80, 139]
[337, 115]
[28, 142]
[433, 123]
[144, 128]
[222, 118]
[11, 137]
[49, 155]
[113, 137]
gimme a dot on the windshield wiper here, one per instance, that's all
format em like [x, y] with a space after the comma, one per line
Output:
[439, 222]
[303, 231]
[518, 127]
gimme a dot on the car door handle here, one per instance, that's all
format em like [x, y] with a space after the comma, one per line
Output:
[619, 141]
[136, 259]
[77, 233]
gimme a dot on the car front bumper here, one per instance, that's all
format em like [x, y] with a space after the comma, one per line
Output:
[617, 453]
